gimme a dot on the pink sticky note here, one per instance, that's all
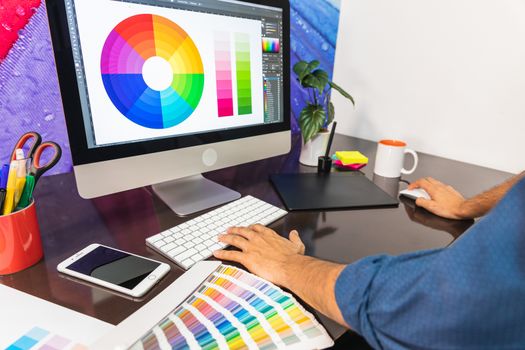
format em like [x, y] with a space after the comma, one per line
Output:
[340, 164]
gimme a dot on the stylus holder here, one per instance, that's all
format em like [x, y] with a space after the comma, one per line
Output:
[324, 165]
[20, 242]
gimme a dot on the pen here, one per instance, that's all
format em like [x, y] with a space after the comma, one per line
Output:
[330, 140]
[10, 189]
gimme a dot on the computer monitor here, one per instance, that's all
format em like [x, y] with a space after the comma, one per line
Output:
[162, 90]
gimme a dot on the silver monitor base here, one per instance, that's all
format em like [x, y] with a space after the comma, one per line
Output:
[193, 194]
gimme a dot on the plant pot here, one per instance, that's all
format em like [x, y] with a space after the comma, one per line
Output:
[314, 148]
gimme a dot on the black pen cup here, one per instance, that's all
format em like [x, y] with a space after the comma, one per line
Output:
[324, 165]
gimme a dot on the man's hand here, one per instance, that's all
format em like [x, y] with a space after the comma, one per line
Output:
[282, 261]
[263, 251]
[445, 200]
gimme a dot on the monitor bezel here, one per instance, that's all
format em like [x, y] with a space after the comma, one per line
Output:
[71, 101]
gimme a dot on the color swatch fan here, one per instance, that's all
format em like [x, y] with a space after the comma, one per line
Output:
[152, 71]
[234, 309]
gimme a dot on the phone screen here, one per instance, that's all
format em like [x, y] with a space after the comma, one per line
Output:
[115, 267]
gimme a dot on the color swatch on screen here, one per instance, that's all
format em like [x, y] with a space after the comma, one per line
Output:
[128, 47]
[244, 79]
[265, 94]
[223, 67]
[233, 309]
[271, 45]
[41, 339]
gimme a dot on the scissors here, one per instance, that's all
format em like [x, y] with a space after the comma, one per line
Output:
[36, 148]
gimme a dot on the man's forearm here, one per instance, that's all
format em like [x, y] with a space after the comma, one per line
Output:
[481, 204]
[313, 280]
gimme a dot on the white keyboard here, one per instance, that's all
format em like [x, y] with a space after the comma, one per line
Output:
[197, 239]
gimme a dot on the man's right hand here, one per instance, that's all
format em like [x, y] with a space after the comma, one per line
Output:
[445, 200]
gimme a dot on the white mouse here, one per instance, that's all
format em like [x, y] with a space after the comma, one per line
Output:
[415, 194]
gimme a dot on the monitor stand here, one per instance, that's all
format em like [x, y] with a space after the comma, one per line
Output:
[193, 194]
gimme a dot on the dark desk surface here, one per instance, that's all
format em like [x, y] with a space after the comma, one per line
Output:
[69, 223]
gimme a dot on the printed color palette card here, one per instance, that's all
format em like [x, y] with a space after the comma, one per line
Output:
[40, 339]
[234, 309]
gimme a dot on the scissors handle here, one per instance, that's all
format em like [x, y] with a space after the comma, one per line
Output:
[38, 169]
[37, 140]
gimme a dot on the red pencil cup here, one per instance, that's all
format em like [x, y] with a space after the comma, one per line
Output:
[20, 242]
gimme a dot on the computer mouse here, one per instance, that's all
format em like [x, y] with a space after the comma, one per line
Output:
[415, 194]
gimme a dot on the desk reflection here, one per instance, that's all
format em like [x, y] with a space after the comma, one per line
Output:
[455, 227]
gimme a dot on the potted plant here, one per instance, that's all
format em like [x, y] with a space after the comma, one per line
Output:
[319, 113]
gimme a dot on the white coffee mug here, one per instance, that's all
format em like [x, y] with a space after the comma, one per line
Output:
[390, 158]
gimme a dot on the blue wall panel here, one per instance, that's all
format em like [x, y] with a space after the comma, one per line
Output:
[314, 26]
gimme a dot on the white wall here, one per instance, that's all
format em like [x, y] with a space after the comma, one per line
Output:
[447, 76]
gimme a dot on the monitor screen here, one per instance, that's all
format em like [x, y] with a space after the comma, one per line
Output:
[151, 70]
[160, 90]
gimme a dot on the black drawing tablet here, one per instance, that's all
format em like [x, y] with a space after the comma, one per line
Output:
[310, 191]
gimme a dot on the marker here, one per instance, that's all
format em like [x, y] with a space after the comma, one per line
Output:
[9, 202]
[21, 175]
[19, 189]
[27, 194]
[19, 154]
[4, 174]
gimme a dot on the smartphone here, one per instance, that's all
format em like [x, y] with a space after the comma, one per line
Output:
[115, 269]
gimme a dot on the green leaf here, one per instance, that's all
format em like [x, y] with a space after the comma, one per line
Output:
[317, 80]
[322, 76]
[311, 121]
[310, 81]
[313, 65]
[301, 69]
[331, 113]
[342, 92]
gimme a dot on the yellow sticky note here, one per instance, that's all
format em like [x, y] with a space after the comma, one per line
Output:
[351, 157]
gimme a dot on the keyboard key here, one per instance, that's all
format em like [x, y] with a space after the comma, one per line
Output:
[209, 243]
[217, 246]
[176, 251]
[198, 257]
[168, 247]
[187, 254]
[187, 263]
[156, 238]
[167, 233]
[159, 244]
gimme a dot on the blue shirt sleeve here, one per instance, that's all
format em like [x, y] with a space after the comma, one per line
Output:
[470, 295]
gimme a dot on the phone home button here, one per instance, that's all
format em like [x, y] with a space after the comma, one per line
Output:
[152, 277]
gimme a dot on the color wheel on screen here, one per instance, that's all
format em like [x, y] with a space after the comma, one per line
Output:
[152, 71]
